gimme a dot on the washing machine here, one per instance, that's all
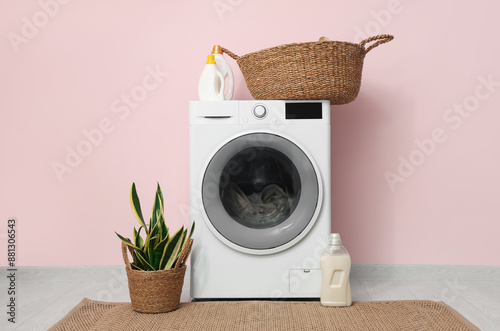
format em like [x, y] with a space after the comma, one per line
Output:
[260, 197]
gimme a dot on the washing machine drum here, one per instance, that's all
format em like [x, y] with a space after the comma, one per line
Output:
[260, 191]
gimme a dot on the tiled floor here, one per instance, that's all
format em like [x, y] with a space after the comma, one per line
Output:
[45, 295]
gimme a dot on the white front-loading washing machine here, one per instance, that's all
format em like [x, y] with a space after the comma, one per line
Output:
[260, 197]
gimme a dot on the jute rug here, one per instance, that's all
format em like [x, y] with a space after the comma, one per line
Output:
[267, 316]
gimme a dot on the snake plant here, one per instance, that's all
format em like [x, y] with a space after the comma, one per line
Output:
[160, 249]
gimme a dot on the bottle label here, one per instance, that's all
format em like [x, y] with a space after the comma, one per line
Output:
[337, 278]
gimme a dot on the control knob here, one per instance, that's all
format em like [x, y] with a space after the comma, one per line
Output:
[259, 111]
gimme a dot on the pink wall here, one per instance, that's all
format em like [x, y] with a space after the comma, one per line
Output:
[65, 67]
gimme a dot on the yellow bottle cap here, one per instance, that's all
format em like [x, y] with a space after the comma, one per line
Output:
[210, 59]
[217, 49]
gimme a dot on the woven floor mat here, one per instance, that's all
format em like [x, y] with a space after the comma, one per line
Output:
[268, 315]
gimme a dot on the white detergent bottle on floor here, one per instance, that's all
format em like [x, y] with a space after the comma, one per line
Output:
[225, 70]
[211, 84]
[335, 271]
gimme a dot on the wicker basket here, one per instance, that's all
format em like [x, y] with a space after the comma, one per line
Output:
[322, 70]
[156, 291]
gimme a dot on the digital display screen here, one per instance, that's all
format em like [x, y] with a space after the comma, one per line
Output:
[303, 110]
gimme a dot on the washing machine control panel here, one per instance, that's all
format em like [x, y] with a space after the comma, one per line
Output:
[273, 112]
[265, 113]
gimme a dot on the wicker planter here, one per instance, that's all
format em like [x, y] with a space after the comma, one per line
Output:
[322, 70]
[156, 291]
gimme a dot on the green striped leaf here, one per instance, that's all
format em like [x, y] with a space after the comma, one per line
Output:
[142, 260]
[151, 250]
[137, 262]
[138, 239]
[160, 228]
[162, 242]
[174, 256]
[160, 196]
[134, 267]
[171, 250]
[181, 247]
[158, 252]
[164, 229]
[127, 241]
[152, 233]
[136, 206]
[192, 230]
[157, 210]
[183, 240]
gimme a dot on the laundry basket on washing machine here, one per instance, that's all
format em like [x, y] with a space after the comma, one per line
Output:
[321, 70]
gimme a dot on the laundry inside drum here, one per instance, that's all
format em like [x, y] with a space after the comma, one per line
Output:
[259, 187]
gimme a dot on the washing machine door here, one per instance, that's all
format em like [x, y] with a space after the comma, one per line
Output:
[261, 193]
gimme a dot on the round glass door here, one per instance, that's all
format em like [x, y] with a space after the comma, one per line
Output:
[260, 191]
[264, 189]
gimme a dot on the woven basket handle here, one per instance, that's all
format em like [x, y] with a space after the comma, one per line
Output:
[382, 39]
[184, 254]
[125, 255]
[231, 54]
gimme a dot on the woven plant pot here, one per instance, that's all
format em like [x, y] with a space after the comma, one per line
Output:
[156, 291]
[322, 70]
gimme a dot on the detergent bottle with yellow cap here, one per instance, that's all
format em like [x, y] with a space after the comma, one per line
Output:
[225, 70]
[211, 84]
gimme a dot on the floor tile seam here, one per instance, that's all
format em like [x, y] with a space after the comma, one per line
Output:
[405, 284]
[469, 311]
[45, 306]
[364, 289]
[482, 312]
